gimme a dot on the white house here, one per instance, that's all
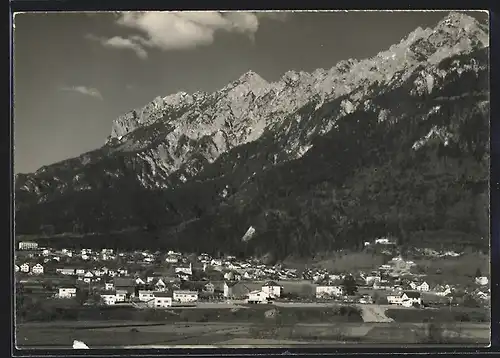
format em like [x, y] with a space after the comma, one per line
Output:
[185, 296]
[162, 300]
[111, 273]
[145, 295]
[37, 269]
[160, 285]
[16, 268]
[232, 276]
[216, 262]
[483, 280]
[25, 267]
[369, 280]
[328, 291]
[444, 292]
[109, 297]
[423, 287]
[139, 281]
[383, 241]
[409, 298]
[66, 292]
[257, 297]
[80, 272]
[121, 295]
[209, 287]
[172, 259]
[109, 286]
[88, 277]
[335, 277]
[272, 289]
[394, 299]
[66, 271]
[184, 270]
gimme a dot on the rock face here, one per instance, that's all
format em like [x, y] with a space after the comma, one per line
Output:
[186, 162]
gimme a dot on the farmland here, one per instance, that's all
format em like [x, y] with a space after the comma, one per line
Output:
[241, 326]
[240, 333]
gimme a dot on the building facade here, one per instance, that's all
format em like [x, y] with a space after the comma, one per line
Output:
[272, 289]
[185, 296]
[66, 292]
[28, 245]
[328, 291]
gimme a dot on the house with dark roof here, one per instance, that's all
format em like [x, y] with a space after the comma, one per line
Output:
[408, 298]
[235, 290]
[125, 284]
[161, 300]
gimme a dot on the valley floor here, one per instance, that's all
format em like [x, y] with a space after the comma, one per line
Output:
[54, 335]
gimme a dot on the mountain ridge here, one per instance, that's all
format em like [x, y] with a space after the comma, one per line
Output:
[219, 142]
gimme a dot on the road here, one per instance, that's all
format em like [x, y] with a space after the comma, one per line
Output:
[374, 313]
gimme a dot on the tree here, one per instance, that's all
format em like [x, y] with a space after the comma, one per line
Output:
[478, 273]
[349, 285]
[470, 301]
[82, 296]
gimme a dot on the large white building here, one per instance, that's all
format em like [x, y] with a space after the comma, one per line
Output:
[328, 291]
[257, 297]
[145, 295]
[185, 296]
[28, 245]
[272, 289]
[162, 300]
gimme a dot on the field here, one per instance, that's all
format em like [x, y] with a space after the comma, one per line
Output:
[239, 333]
[461, 269]
[289, 325]
[442, 315]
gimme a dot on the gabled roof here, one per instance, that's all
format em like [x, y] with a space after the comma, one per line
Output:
[270, 283]
[411, 294]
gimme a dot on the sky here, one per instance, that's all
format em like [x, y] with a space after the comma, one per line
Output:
[74, 73]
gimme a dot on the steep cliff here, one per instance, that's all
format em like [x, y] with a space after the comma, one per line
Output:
[386, 145]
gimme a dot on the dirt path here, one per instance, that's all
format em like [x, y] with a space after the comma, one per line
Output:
[374, 313]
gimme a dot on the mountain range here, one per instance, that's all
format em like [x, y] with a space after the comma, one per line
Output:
[393, 145]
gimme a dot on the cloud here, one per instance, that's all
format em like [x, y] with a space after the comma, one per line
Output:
[88, 91]
[119, 42]
[181, 30]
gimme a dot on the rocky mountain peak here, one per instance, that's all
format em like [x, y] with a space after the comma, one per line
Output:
[259, 154]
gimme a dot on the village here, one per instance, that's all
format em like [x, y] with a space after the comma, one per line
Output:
[145, 279]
